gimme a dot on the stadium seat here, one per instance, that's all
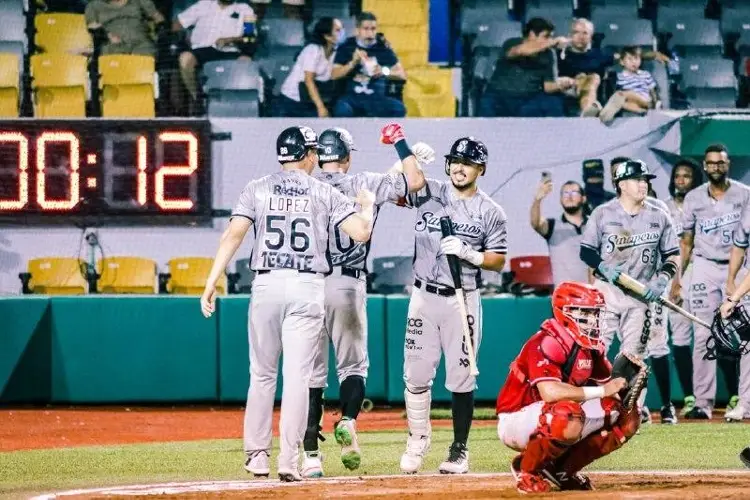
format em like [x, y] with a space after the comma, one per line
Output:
[10, 85]
[743, 42]
[497, 33]
[694, 36]
[283, 33]
[661, 76]
[701, 98]
[393, 12]
[60, 83]
[233, 88]
[481, 18]
[127, 83]
[735, 20]
[561, 19]
[57, 32]
[245, 276]
[127, 275]
[56, 276]
[606, 14]
[533, 270]
[13, 21]
[331, 8]
[551, 4]
[275, 69]
[187, 276]
[707, 72]
[625, 32]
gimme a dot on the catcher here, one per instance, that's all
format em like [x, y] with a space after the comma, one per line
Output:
[563, 404]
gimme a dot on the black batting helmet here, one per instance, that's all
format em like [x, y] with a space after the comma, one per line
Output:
[632, 169]
[467, 149]
[335, 144]
[294, 143]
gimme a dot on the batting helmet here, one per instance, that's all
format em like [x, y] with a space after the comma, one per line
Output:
[294, 143]
[335, 144]
[632, 169]
[572, 305]
[467, 149]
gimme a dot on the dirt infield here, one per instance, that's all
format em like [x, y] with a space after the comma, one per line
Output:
[608, 486]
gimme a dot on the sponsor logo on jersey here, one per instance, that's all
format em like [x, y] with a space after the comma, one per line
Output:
[287, 190]
[625, 241]
[432, 224]
[708, 225]
[584, 364]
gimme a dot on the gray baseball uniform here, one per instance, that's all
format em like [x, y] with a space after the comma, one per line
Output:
[292, 213]
[346, 287]
[564, 242]
[434, 322]
[712, 223]
[680, 327]
[636, 244]
[658, 339]
[741, 239]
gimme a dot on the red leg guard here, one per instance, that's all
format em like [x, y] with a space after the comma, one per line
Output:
[554, 434]
[603, 442]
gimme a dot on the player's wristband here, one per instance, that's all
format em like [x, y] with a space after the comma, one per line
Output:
[669, 269]
[403, 150]
[593, 392]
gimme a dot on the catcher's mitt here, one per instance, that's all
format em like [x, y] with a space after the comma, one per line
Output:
[635, 371]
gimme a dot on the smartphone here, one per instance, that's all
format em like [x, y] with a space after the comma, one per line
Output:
[546, 176]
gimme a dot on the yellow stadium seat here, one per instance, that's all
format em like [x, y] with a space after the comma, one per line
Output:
[188, 276]
[397, 12]
[57, 276]
[59, 82]
[56, 32]
[408, 40]
[412, 59]
[127, 275]
[127, 86]
[430, 80]
[10, 82]
[430, 106]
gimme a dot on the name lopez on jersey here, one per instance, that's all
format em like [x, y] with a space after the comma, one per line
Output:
[623, 242]
[287, 226]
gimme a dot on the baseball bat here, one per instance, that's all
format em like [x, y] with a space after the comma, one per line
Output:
[446, 227]
[635, 286]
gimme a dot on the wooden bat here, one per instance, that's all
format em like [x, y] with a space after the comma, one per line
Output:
[628, 283]
[446, 227]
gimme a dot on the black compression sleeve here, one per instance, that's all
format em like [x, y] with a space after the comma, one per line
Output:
[590, 257]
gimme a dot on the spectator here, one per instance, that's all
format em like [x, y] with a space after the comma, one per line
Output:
[525, 82]
[306, 91]
[636, 88]
[222, 29]
[563, 235]
[125, 25]
[593, 181]
[587, 65]
[364, 62]
[292, 8]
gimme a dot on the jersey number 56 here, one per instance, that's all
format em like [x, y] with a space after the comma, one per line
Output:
[275, 234]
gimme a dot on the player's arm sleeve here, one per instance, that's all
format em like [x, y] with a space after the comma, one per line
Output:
[386, 187]
[245, 206]
[341, 207]
[496, 237]
[591, 240]
[741, 232]
[601, 369]
[669, 244]
[190, 16]
[423, 195]
[542, 366]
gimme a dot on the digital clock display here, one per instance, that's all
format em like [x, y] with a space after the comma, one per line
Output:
[134, 172]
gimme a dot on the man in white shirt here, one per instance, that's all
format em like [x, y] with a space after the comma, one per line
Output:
[221, 30]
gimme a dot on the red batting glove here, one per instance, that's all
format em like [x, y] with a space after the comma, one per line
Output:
[392, 133]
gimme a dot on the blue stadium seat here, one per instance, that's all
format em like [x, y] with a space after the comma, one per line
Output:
[233, 88]
[497, 33]
[707, 72]
[735, 21]
[474, 20]
[332, 8]
[693, 36]
[712, 98]
[13, 21]
[561, 19]
[607, 14]
[743, 42]
[283, 33]
[275, 69]
[624, 32]
[661, 76]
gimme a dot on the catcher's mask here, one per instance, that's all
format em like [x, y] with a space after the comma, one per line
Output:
[579, 307]
[730, 337]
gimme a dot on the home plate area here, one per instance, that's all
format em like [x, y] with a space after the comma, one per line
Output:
[609, 485]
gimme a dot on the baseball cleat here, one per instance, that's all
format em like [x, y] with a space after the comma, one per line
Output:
[257, 464]
[698, 413]
[733, 402]
[457, 461]
[668, 415]
[526, 482]
[416, 449]
[745, 457]
[346, 435]
[312, 465]
[687, 407]
[289, 475]
[736, 414]
[576, 482]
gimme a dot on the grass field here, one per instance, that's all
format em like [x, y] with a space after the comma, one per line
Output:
[657, 447]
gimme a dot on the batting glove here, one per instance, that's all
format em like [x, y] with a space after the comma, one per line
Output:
[451, 245]
[656, 288]
[392, 133]
[609, 272]
[424, 153]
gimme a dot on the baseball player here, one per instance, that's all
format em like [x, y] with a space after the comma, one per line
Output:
[711, 213]
[346, 291]
[632, 235]
[434, 322]
[559, 392]
[292, 213]
[685, 177]
[657, 347]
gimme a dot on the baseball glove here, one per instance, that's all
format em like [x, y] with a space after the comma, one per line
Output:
[635, 372]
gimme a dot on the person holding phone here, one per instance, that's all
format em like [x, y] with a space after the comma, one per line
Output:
[563, 234]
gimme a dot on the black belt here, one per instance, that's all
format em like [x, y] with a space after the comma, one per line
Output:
[351, 272]
[443, 292]
[266, 271]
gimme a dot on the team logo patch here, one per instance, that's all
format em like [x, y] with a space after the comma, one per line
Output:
[462, 146]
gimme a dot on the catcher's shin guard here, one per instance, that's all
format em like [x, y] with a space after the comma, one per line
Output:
[314, 420]
[560, 425]
[603, 442]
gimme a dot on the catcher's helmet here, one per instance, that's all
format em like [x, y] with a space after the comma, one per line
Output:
[730, 337]
[335, 144]
[294, 143]
[467, 149]
[632, 169]
[570, 300]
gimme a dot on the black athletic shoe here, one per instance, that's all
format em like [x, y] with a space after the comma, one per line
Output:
[697, 413]
[668, 415]
[576, 482]
[745, 457]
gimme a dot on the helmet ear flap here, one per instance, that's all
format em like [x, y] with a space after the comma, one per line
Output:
[447, 167]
